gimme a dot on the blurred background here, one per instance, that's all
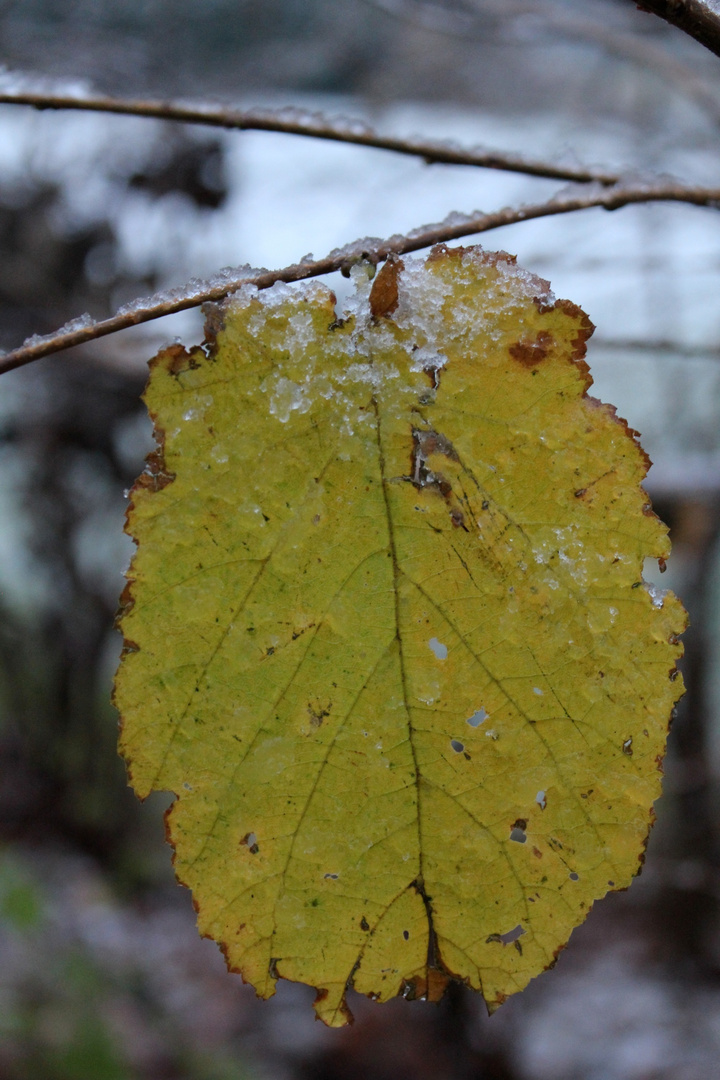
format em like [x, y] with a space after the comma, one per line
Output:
[102, 974]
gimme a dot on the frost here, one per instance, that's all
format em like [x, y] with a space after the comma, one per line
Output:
[226, 280]
[656, 594]
[300, 332]
[358, 304]
[288, 397]
[422, 297]
[367, 245]
[81, 322]
[293, 116]
[198, 412]
[456, 219]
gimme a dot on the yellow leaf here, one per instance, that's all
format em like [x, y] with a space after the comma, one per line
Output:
[387, 637]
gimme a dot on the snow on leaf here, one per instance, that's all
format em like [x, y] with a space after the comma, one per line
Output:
[360, 538]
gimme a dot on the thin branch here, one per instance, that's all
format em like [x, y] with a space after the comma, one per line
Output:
[698, 18]
[376, 250]
[638, 50]
[291, 121]
[569, 24]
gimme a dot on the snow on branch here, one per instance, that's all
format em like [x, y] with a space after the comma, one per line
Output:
[454, 227]
[698, 18]
[19, 89]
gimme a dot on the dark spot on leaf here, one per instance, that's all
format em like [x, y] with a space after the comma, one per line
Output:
[364, 924]
[317, 713]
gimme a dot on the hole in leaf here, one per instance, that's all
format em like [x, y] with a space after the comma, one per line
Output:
[457, 746]
[517, 831]
[507, 938]
[541, 800]
[538, 691]
[250, 842]
[406, 934]
[477, 718]
[574, 876]
[333, 877]
[438, 648]
[627, 747]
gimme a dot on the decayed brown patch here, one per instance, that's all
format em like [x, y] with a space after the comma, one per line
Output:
[531, 352]
[177, 359]
[156, 475]
[384, 292]
[430, 987]
[437, 983]
[342, 1009]
[432, 442]
[585, 330]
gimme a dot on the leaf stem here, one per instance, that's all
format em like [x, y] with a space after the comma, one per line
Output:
[697, 18]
